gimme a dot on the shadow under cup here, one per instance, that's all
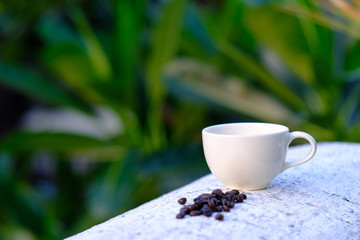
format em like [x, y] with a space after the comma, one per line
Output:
[247, 156]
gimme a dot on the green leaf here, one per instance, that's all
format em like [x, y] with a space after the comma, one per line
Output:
[291, 46]
[35, 86]
[71, 65]
[268, 80]
[165, 40]
[352, 62]
[65, 143]
[320, 18]
[95, 51]
[69, 62]
[194, 25]
[112, 189]
[165, 43]
[128, 19]
[63, 34]
[348, 115]
[190, 79]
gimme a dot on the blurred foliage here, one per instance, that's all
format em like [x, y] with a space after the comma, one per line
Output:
[166, 69]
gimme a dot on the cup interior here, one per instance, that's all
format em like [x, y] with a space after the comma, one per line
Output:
[246, 129]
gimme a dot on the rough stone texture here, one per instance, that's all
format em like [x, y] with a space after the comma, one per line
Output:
[316, 200]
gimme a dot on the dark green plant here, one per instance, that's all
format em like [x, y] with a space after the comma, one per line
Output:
[279, 67]
[80, 65]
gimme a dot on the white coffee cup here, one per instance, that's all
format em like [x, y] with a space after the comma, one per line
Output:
[247, 156]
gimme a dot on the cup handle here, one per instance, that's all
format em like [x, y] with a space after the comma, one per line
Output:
[312, 142]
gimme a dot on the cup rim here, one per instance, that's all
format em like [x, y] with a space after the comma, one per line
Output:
[281, 128]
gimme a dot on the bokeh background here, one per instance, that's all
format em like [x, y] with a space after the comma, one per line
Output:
[103, 101]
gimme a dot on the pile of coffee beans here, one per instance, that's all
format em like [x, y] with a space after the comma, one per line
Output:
[209, 203]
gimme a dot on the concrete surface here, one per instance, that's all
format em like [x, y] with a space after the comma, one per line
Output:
[317, 200]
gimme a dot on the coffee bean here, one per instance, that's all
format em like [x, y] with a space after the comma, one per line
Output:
[208, 214]
[206, 207]
[226, 208]
[217, 202]
[200, 201]
[208, 203]
[218, 193]
[231, 197]
[206, 195]
[212, 203]
[235, 192]
[231, 204]
[218, 209]
[219, 217]
[207, 211]
[195, 213]
[243, 196]
[193, 207]
[180, 215]
[182, 201]
[239, 199]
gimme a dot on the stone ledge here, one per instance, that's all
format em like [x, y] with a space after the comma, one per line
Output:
[316, 200]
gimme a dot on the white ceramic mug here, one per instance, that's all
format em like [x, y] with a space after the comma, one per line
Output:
[247, 156]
